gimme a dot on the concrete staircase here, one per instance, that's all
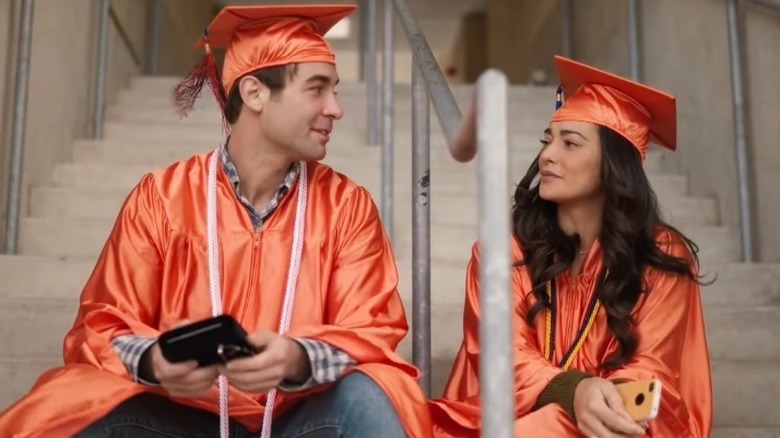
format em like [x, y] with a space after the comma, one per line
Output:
[70, 217]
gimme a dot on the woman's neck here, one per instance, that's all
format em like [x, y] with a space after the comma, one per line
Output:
[584, 220]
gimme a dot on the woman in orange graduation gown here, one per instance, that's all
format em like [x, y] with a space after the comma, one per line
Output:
[604, 291]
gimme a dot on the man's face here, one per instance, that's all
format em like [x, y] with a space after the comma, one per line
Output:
[299, 120]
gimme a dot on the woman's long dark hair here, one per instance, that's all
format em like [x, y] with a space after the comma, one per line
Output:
[630, 222]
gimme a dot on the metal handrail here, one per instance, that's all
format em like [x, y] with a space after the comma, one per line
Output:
[107, 15]
[566, 28]
[21, 82]
[484, 127]
[134, 55]
[739, 114]
[634, 67]
[101, 66]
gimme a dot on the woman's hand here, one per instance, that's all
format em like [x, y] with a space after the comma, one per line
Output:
[600, 412]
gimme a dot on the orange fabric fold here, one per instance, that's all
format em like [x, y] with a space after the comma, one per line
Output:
[671, 346]
[152, 273]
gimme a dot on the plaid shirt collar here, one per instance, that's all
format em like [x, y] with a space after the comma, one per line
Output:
[258, 217]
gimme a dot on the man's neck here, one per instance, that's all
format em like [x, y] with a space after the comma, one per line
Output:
[260, 168]
[583, 219]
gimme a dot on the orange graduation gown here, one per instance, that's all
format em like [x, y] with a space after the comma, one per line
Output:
[153, 273]
[671, 346]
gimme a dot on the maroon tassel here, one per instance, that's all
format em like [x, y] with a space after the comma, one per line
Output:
[188, 90]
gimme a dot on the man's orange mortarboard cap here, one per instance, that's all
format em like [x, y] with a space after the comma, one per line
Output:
[257, 37]
[265, 36]
[639, 113]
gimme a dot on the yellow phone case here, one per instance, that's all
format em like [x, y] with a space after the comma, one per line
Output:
[641, 398]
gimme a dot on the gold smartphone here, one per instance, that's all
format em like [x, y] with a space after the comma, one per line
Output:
[641, 398]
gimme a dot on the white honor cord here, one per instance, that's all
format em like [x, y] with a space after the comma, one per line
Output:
[214, 279]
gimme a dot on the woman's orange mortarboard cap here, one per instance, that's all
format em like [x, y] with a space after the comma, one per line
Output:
[639, 113]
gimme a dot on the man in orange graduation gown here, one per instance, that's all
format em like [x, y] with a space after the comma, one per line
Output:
[669, 324]
[257, 229]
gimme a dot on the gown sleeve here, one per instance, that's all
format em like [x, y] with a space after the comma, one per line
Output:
[121, 295]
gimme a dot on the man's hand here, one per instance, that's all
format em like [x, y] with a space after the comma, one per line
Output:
[183, 379]
[600, 411]
[280, 359]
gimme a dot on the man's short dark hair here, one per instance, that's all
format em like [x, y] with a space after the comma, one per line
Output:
[275, 78]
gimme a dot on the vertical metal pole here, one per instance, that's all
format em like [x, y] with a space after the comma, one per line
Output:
[633, 40]
[372, 87]
[387, 122]
[740, 128]
[496, 359]
[566, 28]
[102, 67]
[153, 51]
[421, 230]
[362, 10]
[21, 82]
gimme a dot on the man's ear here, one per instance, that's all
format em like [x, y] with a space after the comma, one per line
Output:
[254, 93]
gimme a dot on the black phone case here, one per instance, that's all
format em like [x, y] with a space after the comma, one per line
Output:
[210, 341]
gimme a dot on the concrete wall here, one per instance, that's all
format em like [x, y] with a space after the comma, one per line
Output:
[522, 36]
[62, 71]
[763, 53]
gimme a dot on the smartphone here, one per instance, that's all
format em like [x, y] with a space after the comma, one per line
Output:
[641, 398]
[209, 341]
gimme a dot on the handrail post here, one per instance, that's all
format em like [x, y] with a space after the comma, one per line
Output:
[439, 91]
[421, 229]
[740, 128]
[634, 66]
[21, 84]
[495, 368]
[372, 88]
[153, 49]
[387, 121]
[566, 28]
[99, 103]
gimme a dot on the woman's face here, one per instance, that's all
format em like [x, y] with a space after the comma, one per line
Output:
[570, 162]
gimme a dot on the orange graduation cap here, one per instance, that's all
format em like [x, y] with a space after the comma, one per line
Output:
[258, 37]
[639, 113]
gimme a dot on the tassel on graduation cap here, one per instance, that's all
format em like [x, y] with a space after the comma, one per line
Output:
[188, 90]
[559, 97]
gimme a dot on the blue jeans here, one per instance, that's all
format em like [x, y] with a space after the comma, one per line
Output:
[354, 407]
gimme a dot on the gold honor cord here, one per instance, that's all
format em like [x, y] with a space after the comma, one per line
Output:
[549, 326]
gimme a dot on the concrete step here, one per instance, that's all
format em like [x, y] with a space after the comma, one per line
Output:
[452, 243]
[156, 153]
[746, 393]
[743, 333]
[746, 283]
[36, 327]
[745, 432]
[732, 334]
[43, 277]
[349, 92]
[66, 236]
[19, 373]
[750, 285]
[90, 198]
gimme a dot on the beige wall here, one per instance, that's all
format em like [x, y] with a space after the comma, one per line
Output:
[763, 44]
[62, 71]
[522, 35]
